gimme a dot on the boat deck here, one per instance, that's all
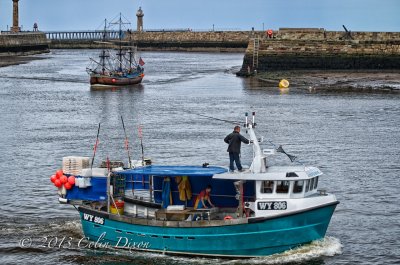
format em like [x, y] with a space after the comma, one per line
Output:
[161, 218]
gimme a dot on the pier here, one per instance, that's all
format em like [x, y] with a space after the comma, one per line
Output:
[83, 35]
[23, 43]
[317, 48]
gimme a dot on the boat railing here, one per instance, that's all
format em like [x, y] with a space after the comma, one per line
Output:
[143, 194]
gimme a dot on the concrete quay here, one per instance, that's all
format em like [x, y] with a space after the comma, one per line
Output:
[291, 49]
[23, 43]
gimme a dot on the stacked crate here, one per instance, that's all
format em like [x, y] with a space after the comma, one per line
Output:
[73, 165]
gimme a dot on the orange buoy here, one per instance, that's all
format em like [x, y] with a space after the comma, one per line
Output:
[228, 217]
[113, 80]
[270, 32]
[59, 173]
[71, 180]
[63, 179]
[53, 178]
[57, 183]
[67, 185]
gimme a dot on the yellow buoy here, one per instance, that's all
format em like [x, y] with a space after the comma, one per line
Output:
[283, 83]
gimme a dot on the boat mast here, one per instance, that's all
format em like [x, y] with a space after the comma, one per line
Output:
[120, 42]
[130, 51]
[103, 53]
[258, 165]
[120, 54]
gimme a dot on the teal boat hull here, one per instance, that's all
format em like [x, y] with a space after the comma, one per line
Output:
[259, 237]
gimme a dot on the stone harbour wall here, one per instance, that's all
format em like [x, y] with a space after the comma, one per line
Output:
[23, 43]
[77, 44]
[319, 49]
[214, 41]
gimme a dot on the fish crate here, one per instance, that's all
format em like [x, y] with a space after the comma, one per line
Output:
[113, 164]
[74, 164]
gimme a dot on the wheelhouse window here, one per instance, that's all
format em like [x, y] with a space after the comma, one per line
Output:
[307, 185]
[311, 184]
[282, 186]
[267, 186]
[298, 186]
[316, 183]
[291, 175]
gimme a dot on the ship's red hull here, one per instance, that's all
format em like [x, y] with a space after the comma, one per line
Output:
[115, 81]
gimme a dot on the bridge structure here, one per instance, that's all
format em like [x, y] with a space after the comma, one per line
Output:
[97, 35]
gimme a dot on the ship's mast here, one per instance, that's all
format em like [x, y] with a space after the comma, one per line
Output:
[120, 53]
[130, 51]
[103, 53]
[120, 42]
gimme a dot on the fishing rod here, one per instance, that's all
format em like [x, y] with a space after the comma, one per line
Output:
[95, 146]
[210, 117]
[126, 143]
[141, 142]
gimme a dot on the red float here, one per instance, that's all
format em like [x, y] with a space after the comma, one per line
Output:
[59, 173]
[119, 204]
[68, 186]
[63, 179]
[71, 180]
[53, 178]
[113, 80]
[57, 183]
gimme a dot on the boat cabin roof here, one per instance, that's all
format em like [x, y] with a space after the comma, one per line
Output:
[275, 173]
[171, 171]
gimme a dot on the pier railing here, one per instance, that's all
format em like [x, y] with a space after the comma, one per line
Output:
[83, 35]
[98, 34]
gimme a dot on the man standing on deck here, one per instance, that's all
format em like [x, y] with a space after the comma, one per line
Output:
[234, 141]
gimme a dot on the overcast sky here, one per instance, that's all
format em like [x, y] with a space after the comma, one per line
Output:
[357, 15]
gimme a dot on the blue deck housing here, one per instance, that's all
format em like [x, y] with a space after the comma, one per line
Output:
[222, 194]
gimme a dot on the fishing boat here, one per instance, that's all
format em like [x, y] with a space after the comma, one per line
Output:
[262, 210]
[118, 67]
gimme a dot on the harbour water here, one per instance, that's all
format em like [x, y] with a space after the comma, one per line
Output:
[48, 111]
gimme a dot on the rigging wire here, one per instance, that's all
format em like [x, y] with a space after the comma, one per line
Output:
[214, 118]
[276, 147]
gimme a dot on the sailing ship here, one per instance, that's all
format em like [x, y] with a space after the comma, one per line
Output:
[263, 210]
[119, 67]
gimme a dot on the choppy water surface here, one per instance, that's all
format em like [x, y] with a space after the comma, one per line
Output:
[353, 138]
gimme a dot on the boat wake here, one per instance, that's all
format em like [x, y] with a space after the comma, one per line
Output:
[327, 247]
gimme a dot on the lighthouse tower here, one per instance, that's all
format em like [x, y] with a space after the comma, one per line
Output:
[15, 27]
[139, 15]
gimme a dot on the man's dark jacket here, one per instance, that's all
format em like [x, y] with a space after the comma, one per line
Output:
[234, 141]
